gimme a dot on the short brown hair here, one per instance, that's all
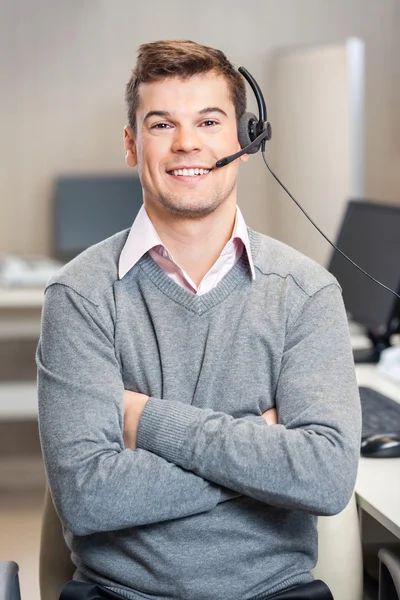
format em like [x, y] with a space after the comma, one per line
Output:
[183, 59]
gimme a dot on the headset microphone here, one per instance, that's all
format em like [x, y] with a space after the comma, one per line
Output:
[253, 133]
[246, 150]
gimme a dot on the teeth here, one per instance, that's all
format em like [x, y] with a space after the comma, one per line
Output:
[190, 172]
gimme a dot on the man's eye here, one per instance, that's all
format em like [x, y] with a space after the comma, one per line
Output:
[209, 123]
[160, 126]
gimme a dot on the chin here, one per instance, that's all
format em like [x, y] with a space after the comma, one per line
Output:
[190, 212]
[190, 209]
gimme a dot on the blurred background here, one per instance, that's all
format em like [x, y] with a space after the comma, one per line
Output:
[330, 76]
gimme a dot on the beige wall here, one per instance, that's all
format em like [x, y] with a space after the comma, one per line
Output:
[64, 65]
[313, 89]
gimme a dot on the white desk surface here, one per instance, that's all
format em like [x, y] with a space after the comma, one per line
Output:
[18, 401]
[378, 480]
[20, 297]
[20, 311]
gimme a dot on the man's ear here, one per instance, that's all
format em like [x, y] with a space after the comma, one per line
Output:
[244, 157]
[130, 147]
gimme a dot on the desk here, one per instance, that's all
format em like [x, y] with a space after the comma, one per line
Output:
[20, 312]
[18, 401]
[378, 480]
[11, 298]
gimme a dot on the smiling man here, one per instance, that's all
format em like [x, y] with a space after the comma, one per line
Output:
[197, 397]
[175, 138]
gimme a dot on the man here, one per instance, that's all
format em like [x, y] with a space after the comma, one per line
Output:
[167, 352]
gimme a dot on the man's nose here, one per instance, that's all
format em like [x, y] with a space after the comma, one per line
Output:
[186, 139]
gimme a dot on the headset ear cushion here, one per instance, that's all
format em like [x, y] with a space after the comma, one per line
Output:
[244, 130]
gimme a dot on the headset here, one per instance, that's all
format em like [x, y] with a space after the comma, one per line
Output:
[253, 133]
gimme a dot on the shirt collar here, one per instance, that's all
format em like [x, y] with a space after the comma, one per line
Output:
[240, 232]
[143, 237]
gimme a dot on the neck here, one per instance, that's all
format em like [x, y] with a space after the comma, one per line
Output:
[195, 244]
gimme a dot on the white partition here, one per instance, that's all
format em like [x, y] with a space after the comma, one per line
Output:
[317, 146]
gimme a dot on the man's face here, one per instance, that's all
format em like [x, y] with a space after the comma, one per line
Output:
[183, 128]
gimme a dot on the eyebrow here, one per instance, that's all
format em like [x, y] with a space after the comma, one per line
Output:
[166, 115]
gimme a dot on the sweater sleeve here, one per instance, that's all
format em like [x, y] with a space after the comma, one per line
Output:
[309, 460]
[97, 484]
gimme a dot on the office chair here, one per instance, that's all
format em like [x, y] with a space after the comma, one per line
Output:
[339, 561]
[389, 575]
[9, 583]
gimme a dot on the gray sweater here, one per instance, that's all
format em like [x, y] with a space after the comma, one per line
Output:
[214, 503]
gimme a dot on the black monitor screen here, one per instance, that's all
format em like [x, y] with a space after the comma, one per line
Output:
[370, 236]
[90, 209]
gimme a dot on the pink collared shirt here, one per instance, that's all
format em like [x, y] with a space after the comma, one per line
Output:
[144, 238]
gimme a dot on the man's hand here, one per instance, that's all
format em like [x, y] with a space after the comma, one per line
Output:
[270, 416]
[134, 404]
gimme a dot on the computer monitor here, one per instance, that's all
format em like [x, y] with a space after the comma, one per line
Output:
[88, 209]
[370, 236]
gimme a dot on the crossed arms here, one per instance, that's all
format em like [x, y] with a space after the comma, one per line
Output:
[187, 459]
[134, 404]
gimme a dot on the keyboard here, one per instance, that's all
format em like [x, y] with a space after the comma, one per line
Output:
[380, 414]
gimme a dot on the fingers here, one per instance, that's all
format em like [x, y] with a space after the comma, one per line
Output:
[270, 416]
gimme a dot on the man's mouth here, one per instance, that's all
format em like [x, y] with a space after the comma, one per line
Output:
[191, 172]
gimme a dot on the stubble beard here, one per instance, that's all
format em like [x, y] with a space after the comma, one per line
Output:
[178, 207]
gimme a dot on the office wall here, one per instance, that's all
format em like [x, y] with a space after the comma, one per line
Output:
[64, 65]
[323, 165]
